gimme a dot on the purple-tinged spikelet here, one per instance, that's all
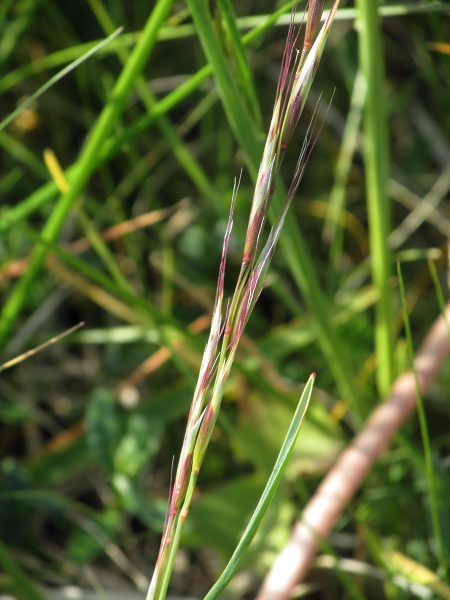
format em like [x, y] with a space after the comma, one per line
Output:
[226, 330]
[258, 214]
[302, 81]
[314, 15]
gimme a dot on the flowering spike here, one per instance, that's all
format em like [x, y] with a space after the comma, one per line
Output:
[258, 213]
[209, 355]
[293, 85]
[312, 24]
[302, 82]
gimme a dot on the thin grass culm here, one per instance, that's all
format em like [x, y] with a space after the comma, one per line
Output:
[297, 73]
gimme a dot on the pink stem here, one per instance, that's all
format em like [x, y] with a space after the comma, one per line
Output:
[345, 478]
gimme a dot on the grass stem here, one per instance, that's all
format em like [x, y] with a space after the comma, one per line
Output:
[376, 159]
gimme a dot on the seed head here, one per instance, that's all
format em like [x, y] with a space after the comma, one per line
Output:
[314, 15]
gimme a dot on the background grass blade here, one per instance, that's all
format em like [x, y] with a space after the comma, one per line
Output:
[146, 293]
[57, 78]
[376, 160]
[86, 164]
[431, 478]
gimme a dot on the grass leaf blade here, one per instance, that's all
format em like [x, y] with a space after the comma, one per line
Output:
[48, 84]
[268, 493]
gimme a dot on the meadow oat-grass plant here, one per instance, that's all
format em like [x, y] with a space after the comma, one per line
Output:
[123, 129]
[227, 327]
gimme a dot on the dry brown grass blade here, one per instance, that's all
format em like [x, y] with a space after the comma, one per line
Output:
[32, 352]
[97, 294]
[345, 478]
[158, 359]
[15, 268]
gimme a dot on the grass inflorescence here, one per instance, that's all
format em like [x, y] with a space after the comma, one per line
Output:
[118, 159]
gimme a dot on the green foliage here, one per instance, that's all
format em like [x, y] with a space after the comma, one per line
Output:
[102, 424]
[171, 110]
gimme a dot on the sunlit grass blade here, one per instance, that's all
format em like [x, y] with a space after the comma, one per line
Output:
[267, 495]
[431, 480]
[86, 165]
[376, 160]
[73, 65]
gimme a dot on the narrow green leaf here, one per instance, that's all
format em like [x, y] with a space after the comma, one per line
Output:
[267, 495]
[73, 65]
[376, 160]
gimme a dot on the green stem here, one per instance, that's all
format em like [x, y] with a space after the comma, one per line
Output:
[167, 567]
[85, 166]
[333, 230]
[376, 158]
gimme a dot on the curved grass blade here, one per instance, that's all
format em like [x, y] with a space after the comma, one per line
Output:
[73, 65]
[267, 495]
